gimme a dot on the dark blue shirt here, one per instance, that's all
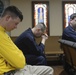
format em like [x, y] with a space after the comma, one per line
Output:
[69, 34]
[26, 42]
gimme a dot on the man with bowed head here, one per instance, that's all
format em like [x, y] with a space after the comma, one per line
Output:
[33, 52]
[69, 32]
[12, 60]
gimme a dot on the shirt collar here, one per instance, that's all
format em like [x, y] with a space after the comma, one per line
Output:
[2, 29]
[31, 33]
[71, 28]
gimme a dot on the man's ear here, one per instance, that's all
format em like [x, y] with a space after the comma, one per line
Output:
[8, 17]
[70, 19]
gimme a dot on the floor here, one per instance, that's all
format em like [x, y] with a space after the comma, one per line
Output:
[57, 65]
[58, 70]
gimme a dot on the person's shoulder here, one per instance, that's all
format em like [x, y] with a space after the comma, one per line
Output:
[67, 27]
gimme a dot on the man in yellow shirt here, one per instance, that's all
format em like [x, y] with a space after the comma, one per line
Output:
[12, 60]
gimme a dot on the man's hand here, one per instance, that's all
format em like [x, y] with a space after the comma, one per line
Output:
[45, 36]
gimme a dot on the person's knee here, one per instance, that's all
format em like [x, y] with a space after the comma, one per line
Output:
[51, 70]
[41, 58]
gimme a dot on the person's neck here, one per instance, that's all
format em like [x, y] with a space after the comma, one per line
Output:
[2, 23]
[73, 27]
[33, 30]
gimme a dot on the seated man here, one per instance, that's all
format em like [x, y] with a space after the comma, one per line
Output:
[33, 52]
[69, 32]
[12, 60]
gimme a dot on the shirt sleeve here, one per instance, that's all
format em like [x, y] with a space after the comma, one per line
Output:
[35, 48]
[11, 53]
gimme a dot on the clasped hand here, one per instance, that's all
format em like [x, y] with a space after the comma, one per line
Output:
[45, 36]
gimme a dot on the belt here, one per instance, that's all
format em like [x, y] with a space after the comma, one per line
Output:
[10, 72]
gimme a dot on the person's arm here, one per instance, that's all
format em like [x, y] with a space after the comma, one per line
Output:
[33, 46]
[11, 53]
[44, 38]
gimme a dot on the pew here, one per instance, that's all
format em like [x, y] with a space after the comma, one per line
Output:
[69, 56]
[52, 49]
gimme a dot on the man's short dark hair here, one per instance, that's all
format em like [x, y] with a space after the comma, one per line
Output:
[73, 16]
[13, 11]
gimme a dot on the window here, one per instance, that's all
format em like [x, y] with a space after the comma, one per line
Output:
[69, 7]
[40, 13]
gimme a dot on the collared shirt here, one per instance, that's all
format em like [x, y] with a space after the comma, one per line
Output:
[11, 57]
[69, 34]
[26, 42]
